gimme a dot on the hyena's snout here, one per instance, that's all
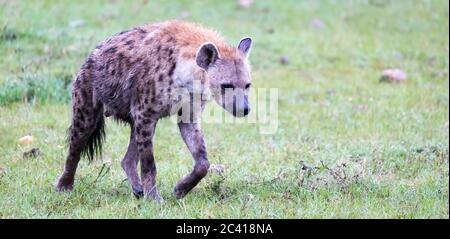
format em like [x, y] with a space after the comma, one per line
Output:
[241, 107]
[237, 103]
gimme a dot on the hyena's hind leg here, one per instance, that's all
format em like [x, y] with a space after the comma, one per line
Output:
[86, 132]
[145, 130]
[129, 165]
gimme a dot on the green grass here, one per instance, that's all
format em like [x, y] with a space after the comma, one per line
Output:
[332, 109]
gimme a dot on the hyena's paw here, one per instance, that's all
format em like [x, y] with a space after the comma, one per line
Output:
[138, 192]
[64, 184]
[180, 191]
[153, 194]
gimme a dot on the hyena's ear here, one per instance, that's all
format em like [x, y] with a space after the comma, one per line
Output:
[206, 55]
[245, 45]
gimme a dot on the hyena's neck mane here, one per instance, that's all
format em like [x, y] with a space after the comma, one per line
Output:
[190, 36]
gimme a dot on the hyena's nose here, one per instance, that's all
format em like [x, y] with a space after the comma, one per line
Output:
[246, 110]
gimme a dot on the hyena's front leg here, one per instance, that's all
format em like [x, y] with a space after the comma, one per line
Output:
[193, 137]
[144, 130]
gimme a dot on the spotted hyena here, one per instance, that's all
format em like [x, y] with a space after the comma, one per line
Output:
[132, 76]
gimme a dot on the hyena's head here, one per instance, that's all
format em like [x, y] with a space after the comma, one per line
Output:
[229, 78]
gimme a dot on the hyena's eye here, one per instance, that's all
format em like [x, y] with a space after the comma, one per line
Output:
[247, 86]
[227, 86]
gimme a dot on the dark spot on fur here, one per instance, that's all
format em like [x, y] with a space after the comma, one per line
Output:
[145, 134]
[172, 68]
[123, 32]
[120, 56]
[84, 94]
[161, 77]
[81, 117]
[147, 143]
[138, 60]
[110, 63]
[89, 63]
[148, 113]
[120, 70]
[145, 170]
[111, 50]
[141, 31]
[146, 121]
[146, 71]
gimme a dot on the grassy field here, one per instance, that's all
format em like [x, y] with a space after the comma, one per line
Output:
[347, 146]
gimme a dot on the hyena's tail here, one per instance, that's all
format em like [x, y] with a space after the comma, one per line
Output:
[95, 141]
[87, 132]
[88, 139]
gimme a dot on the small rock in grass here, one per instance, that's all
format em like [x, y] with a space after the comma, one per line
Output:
[393, 75]
[285, 60]
[217, 168]
[32, 153]
[110, 15]
[77, 23]
[245, 3]
[431, 60]
[287, 194]
[185, 15]
[317, 24]
[265, 10]
[26, 139]
[361, 107]
[7, 34]
[441, 73]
